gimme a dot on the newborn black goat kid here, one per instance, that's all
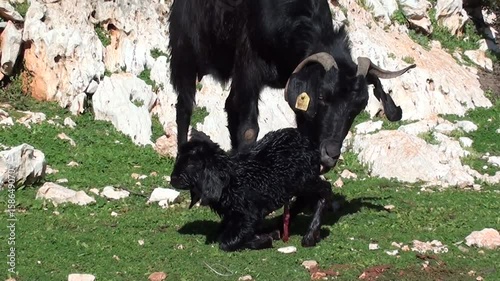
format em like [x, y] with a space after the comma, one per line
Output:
[245, 187]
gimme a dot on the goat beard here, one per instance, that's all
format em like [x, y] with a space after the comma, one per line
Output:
[195, 197]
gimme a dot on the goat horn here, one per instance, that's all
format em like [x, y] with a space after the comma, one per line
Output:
[325, 59]
[365, 66]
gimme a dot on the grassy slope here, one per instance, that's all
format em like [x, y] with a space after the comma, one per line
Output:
[89, 240]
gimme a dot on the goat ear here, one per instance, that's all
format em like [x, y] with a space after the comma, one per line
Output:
[391, 110]
[303, 91]
[213, 183]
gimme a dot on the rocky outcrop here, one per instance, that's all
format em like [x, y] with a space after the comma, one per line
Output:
[428, 89]
[22, 164]
[64, 54]
[125, 101]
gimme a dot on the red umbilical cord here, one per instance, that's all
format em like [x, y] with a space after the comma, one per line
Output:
[286, 222]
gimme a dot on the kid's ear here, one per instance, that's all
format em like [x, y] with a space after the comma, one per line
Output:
[213, 182]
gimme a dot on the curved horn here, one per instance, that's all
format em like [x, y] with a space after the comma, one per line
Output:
[365, 66]
[325, 59]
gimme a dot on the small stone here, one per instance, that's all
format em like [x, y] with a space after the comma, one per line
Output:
[338, 183]
[392, 253]
[116, 257]
[373, 246]
[63, 136]
[135, 176]
[62, 180]
[287, 250]
[81, 277]
[163, 195]
[346, 174]
[153, 174]
[405, 248]
[465, 141]
[68, 122]
[73, 164]
[245, 278]
[157, 276]
[389, 207]
[55, 213]
[309, 264]
[112, 193]
[395, 244]
[488, 238]
[141, 242]
[95, 191]
[318, 275]
[7, 122]
[50, 171]
[494, 160]
[167, 178]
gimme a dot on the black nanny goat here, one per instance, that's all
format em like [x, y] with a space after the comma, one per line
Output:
[287, 44]
[243, 188]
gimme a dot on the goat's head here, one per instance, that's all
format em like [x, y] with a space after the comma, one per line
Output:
[326, 100]
[200, 167]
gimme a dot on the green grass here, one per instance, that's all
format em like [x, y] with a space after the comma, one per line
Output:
[420, 39]
[429, 137]
[87, 239]
[103, 35]
[485, 138]
[155, 53]
[21, 8]
[399, 17]
[12, 92]
[199, 114]
[145, 75]
[409, 59]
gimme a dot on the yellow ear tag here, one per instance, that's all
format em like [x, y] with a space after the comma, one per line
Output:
[302, 102]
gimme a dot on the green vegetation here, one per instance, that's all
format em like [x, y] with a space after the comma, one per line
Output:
[428, 137]
[364, 5]
[420, 39]
[103, 35]
[21, 8]
[155, 53]
[145, 75]
[12, 92]
[399, 17]
[408, 59]
[199, 86]
[485, 137]
[199, 114]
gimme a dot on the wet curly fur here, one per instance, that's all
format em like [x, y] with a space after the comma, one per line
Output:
[244, 187]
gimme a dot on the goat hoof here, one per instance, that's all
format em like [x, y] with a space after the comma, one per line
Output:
[308, 241]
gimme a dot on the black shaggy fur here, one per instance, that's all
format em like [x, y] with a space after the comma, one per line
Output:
[244, 188]
[259, 43]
